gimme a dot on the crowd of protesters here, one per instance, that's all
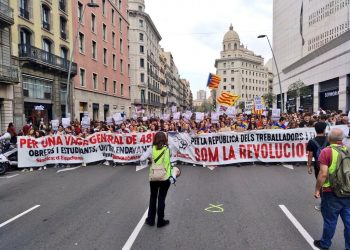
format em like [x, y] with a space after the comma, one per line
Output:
[240, 123]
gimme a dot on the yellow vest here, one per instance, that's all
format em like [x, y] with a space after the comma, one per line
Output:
[165, 156]
[333, 166]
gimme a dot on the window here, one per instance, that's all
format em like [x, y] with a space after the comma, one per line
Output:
[142, 63]
[121, 65]
[122, 89]
[82, 77]
[120, 4]
[105, 83]
[81, 43]
[63, 27]
[142, 77]
[93, 23]
[114, 87]
[114, 61]
[94, 52]
[232, 87]
[104, 32]
[121, 45]
[224, 87]
[141, 23]
[104, 7]
[104, 56]
[224, 72]
[113, 39]
[64, 53]
[141, 37]
[112, 16]
[47, 45]
[80, 12]
[94, 80]
[120, 24]
[25, 36]
[142, 49]
[24, 8]
[45, 10]
[232, 79]
[140, 8]
[37, 88]
[62, 5]
[224, 79]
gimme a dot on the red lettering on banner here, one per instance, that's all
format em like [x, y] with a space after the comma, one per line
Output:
[231, 154]
[300, 149]
[271, 152]
[22, 142]
[256, 150]
[206, 154]
[242, 152]
[264, 152]
[250, 156]
[29, 142]
[51, 141]
[278, 150]
[286, 153]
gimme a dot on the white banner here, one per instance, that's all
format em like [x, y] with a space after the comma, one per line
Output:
[209, 149]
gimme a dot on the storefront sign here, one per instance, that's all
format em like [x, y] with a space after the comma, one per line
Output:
[39, 108]
[331, 93]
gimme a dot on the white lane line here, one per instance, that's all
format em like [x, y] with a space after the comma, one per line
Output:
[8, 177]
[300, 228]
[134, 234]
[18, 216]
[288, 166]
[140, 167]
[67, 169]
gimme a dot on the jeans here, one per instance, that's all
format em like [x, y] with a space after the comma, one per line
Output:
[159, 189]
[331, 207]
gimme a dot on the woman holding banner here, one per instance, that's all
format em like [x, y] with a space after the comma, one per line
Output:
[159, 177]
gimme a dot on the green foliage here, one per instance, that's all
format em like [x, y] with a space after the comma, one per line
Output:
[269, 99]
[298, 88]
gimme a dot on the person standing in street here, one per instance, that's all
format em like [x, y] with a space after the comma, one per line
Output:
[314, 148]
[332, 205]
[159, 184]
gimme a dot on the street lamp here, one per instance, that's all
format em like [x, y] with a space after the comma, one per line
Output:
[278, 74]
[90, 5]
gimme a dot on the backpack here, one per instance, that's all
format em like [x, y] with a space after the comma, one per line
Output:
[319, 148]
[158, 171]
[340, 178]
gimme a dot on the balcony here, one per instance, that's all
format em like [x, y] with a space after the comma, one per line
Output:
[24, 13]
[146, 102]
[6, 14]
[164, 93]
[36, 56]
[154, 89]
[9, 74]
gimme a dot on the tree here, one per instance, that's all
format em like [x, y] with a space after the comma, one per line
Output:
[241, 105]
[269, 99]
[297, 89]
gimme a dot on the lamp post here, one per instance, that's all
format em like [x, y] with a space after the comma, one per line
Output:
[278, 74]
[90, 5]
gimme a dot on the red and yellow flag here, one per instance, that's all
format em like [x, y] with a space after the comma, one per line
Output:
[227, 98]
[213, 81]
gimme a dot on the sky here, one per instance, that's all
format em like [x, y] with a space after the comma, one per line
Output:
[193, 30]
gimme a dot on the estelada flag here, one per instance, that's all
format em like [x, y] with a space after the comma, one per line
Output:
[227, 98]
[213, 81]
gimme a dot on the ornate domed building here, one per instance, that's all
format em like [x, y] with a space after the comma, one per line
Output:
[241, 71]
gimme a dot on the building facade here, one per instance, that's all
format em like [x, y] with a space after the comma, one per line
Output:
[102, 85]
[201, 94]
[241, 71]
[145, 75]
[9, 74]
[319, 55]
[41, 42]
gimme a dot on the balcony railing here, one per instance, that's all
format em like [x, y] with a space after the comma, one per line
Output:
[151, 87]
[146, 102]
[41, 57]
[6, 14]
[164, 93]
[9, 74]
[24, 13]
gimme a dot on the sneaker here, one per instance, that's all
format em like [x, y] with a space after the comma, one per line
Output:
[317, 243]
[163, 223]
[149, 223]
[318, 207]
[44, 168]
[40, 168]
[31, 169]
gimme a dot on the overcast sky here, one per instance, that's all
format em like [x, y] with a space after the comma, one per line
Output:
[193, 30]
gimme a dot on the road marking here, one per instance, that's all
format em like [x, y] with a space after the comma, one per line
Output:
[18, 216]
[215, 208]
[136, 231]
[288, 166]
[300, 228]
[8, 177]
[212, 167]
[67, 169]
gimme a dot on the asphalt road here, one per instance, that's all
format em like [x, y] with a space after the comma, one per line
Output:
[98, 207]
